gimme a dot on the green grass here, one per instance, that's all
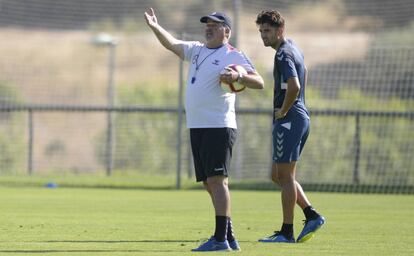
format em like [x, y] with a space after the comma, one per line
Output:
[82, 221]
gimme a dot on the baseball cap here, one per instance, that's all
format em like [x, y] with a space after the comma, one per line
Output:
[217, 16]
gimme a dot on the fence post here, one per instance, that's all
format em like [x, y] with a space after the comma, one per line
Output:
[238, 161]
[30, 146]
[236, 18]
[110, 142]
[108, 41]
[179, 120]
[357, 143]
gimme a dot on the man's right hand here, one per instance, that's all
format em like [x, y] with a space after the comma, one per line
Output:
[151, 18]
[165, 38]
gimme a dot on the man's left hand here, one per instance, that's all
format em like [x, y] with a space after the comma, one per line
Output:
[229, 76]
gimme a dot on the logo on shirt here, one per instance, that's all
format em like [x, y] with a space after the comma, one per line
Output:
[216, 62]
[279, 56]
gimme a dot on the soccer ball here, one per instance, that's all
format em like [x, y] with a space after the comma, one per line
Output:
[235, 86]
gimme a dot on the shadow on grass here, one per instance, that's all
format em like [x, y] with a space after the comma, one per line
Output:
[100, 250]
[120, 241]
[80, 251]
[45, 251]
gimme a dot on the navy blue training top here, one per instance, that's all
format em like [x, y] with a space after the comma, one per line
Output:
[289, 62]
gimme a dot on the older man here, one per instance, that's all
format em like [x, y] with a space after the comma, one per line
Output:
[210, 112]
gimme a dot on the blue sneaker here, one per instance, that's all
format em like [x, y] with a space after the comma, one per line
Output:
[234, 245]
[277, 237]
[310, 228]
[213, 245]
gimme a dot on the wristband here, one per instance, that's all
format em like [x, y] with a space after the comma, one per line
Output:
[239, 77]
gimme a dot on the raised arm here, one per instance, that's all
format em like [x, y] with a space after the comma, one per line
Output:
[165, 38]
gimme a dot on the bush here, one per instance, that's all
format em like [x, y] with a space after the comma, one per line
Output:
[143, 141]
[12, 150]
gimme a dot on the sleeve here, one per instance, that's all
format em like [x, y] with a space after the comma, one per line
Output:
[287, 66]
[239, 58]
[247, 64]
[189, 49]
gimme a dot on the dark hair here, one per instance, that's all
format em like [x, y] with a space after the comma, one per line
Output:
[271, 17]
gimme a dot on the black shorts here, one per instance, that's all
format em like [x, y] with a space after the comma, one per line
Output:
[212, 151]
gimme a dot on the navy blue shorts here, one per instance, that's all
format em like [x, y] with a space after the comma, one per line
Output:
[289, 138]
[212, 151]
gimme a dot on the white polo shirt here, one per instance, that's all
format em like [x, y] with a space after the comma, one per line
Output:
[207, 104]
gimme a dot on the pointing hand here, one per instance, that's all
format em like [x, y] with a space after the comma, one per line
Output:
[151, 18]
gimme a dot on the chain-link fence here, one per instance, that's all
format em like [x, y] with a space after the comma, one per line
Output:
[74, 102]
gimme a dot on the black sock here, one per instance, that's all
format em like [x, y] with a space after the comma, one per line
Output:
[287, 230]
[221, 228]
[310, 213]
[230, 234]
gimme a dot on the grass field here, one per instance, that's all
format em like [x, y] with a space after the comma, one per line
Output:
[79, 221]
